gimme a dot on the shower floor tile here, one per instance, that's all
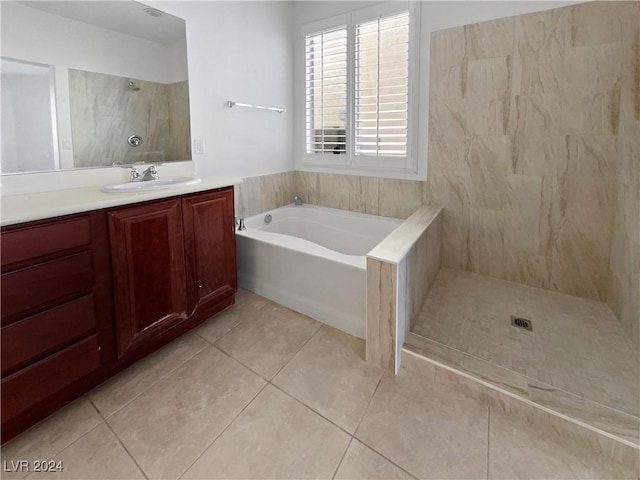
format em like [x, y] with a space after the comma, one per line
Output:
[576, 345]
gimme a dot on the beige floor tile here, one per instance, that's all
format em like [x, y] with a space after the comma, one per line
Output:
[51, 435]
[521, 450]
[428, 429]
[171, 424]
[97, 455]
[331, 376]
[246, 306]
[124, 387]
[362, 463]
[269, 339]
[274, 437]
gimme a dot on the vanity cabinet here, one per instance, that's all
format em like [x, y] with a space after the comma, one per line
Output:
[210, 250]
[147, 255]
[85, 296]
[172, 260]
[56, 321]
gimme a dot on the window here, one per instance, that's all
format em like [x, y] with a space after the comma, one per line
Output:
[381, 86]
[358, 78]
[326, 89]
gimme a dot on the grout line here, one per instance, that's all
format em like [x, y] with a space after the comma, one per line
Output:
[236, 360]
[344, 454]
[488, 438]
[311, 409]
[386, 458]
[234, 306]
[366, 409]
[297, 352]
[153, 384]
[214, 345]
[223, 431]
[244, 318]
[59, 451]
[126, 449]
[201, 337]
[96, 409]
[375, 390]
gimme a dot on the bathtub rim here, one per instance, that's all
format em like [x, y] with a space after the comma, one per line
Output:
[306, 246]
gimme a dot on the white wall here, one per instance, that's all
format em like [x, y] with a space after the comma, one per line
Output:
[434, 16]
[239, 51]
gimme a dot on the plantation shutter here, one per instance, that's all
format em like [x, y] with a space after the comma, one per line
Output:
[382, 86]
[326, 91]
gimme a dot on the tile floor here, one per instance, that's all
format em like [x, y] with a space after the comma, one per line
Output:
[576, 345]
[260, 391]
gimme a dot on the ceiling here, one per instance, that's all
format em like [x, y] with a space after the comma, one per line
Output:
[126, 17]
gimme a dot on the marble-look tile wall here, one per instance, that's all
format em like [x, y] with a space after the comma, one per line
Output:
[382, 317]
[527, 133]
[532, 124]
[400, 272]
[423, 264]
[387, 197]
[624, 292]
[265, 192]
[178, 146]
[106, 111]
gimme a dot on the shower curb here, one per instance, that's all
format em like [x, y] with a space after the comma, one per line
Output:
[604, 430]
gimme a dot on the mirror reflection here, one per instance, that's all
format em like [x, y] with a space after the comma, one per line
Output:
[91, 84]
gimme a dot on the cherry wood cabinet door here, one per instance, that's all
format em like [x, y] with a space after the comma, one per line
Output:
[210, 248]
[149, 282]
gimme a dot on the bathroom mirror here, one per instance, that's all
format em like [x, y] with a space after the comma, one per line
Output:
[91, 84]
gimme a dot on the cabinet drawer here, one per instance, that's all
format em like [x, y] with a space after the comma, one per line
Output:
[32, 242]
[37, 287]
[34, 337]
[25, 388]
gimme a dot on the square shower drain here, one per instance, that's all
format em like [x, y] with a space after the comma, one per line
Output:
[521, 323]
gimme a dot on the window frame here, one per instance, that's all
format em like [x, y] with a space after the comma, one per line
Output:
[401, 167]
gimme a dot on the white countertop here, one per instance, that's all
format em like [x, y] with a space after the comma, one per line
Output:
[37, 206]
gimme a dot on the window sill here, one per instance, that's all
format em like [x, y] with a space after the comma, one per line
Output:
[398, 173]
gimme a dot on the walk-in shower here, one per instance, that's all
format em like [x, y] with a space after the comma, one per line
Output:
[533, 152]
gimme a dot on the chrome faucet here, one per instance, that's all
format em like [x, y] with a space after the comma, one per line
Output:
[135, 175]
[150, 173]
[240, 224]
[297, 200]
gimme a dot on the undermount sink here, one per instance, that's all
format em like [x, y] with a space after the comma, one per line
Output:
[160, 184]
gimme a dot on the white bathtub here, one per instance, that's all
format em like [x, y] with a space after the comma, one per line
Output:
[312, 260]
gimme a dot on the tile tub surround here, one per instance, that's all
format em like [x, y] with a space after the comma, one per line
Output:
[533, 153]
[400, 272]
[413, 425]
[265, 192]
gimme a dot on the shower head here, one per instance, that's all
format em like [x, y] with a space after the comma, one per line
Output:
[133, 87]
